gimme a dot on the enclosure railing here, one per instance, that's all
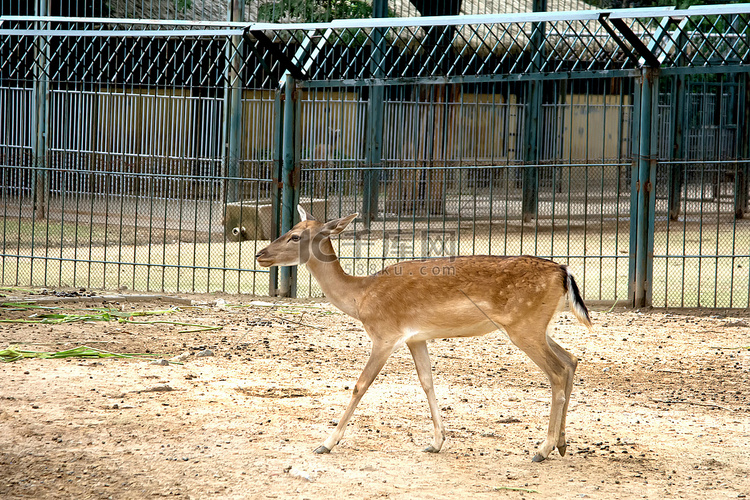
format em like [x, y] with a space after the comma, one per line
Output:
[161, 155]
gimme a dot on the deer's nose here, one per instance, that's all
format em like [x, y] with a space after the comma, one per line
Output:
[260, 254]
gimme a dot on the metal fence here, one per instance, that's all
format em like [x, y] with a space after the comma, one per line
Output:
[283, 11]
[162, 155]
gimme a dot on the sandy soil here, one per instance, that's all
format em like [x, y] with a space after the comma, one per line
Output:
[660, 409]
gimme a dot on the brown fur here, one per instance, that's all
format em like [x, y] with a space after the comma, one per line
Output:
[413, 301]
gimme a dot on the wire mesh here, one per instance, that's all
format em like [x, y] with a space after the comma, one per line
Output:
[451, 178]
[141, 189]
[280, 11]
[701, 256]
[146, 153]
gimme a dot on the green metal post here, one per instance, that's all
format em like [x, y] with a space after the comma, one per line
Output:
[530, 173]
[40, 117]
[233, 106]
[371, 176]
[633, 238]
[276, 185]
[646, 199]
[374, 151]
[743, 171]
[530, 195]
[677, 151]
[679, 123]
[289, 178]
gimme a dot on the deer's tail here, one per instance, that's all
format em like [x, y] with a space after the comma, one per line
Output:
[576, 301]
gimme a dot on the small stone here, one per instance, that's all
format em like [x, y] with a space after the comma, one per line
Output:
[295, 472]
[182, 357]
[157, 388]
[204, 353]
[160, 362]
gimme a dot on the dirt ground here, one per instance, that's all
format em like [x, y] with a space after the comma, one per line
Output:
[660, 408]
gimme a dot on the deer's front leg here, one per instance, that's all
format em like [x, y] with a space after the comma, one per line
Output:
[378, 357]
[424, 372]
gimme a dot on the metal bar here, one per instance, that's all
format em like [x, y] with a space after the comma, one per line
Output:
[148, 265]
[656, 39]
[581, 15]
[107, 20]
[254, 49]
[276, 184]
[314, 54]
[677, 146]
[522, 17]
[40, 124]
[670, 45]
[533, 106]
[635, 42]
[515, 77]
[650, 191]
[371, 176]
[233, 107]
[274, 50]
[743, 171]
[634, 192]
[288, 209]
[645, 190]
[296, 173]
[121, 33]
[623, 46]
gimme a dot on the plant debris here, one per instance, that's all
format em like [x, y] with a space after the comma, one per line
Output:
[99, 314]
[12, 354]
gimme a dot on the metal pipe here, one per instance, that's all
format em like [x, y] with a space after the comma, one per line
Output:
[677, 146]
[533, 106]
[233, 107]
[275, 189]
[40, 127]
[646, 199]
[743, 181]
[289, 186]
[371, 176]
[634, 189]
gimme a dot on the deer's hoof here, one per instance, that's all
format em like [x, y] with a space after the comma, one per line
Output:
[321, 450]
[538, 458]
[562, 449]
[431, 449]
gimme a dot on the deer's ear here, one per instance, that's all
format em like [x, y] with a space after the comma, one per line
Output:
[335, 226]
[304, 214]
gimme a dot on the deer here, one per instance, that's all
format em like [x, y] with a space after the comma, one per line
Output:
[411, 302]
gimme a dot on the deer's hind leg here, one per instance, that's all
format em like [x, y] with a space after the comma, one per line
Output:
[572, 363]
[530, 335]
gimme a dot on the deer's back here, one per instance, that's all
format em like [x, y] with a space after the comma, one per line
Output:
[457, 292]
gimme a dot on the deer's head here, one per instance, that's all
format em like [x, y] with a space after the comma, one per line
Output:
[307, 240]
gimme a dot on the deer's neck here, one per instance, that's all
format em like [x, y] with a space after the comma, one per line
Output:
[343, 290]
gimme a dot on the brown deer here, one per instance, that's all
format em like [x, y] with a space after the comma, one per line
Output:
[413, 301]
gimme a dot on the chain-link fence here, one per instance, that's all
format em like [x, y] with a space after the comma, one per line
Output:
[159, 155]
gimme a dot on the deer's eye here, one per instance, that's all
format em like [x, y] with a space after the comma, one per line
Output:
[294, 237]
